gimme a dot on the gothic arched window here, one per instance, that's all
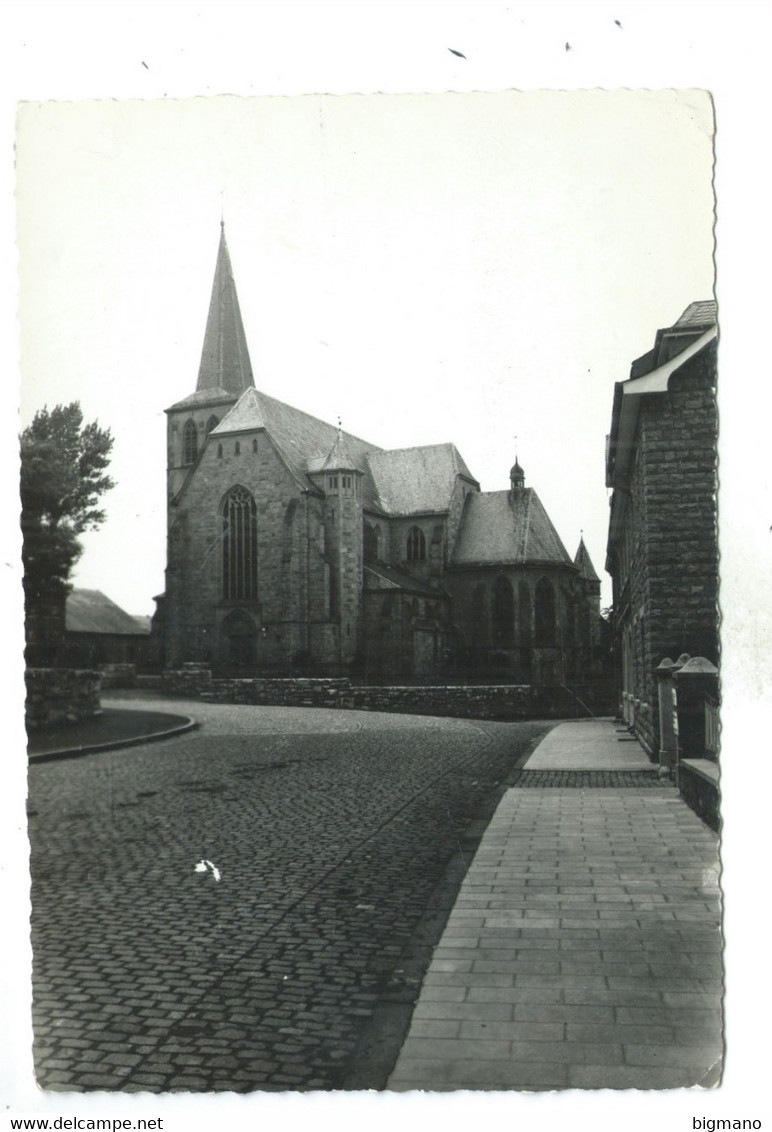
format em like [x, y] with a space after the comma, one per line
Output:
[211, 423]
[239, 546]
[478, 614]
[189, 442]
[525, 613]
[545, 612]
[372, 543]
[503, 612]
[416, 545]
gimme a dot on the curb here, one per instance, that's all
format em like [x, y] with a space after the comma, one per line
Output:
[115, 744]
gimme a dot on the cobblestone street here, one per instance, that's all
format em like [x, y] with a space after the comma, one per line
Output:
[329, 832]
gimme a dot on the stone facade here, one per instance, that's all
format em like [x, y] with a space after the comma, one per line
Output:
[663, 549]
[60, 695]
[294, 547]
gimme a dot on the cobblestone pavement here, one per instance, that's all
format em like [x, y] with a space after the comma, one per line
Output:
[328, 831]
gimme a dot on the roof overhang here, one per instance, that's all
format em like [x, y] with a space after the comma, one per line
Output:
[627, 401]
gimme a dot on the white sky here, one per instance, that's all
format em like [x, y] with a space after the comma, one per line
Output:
[118, 234]
[465, 267]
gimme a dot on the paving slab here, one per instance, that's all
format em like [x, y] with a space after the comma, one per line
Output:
[625, 990]
[589, 745]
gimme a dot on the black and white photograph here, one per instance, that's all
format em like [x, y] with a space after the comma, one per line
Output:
[377, 646]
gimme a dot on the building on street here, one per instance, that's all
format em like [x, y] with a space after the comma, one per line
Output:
[662, 544]
[296, 546]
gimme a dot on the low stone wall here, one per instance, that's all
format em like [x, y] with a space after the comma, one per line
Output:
[698, 786]
[199, 683]
[118, 675]
[489, 701]
[466, 701]
[60, 695]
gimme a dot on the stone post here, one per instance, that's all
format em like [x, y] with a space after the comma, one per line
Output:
[695, 680]
[668, 725]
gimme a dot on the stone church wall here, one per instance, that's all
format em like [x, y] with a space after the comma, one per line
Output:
[290, 577]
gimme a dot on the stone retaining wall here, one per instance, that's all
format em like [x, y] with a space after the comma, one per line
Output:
[498, 701]
[60, 695]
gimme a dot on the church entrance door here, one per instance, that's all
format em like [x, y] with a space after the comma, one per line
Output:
[239, 638]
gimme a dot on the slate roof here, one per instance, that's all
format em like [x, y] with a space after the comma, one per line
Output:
[697, 317]
[378, 576]
[701, 313]
[90, 611]
[403, 481]
[501, 528]
[245, 415]
[584, 565]
[414, 481]
[305, 442]
[214, 396]
[225, 360]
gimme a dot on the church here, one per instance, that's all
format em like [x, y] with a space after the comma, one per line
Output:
[296, 547]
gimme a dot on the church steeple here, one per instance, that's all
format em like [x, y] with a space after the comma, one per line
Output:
[225, 358]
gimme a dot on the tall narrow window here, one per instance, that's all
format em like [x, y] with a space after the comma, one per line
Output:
[189, 442]
[503, 613]
[545, 612]
[525, 613]
[211, 423]
[478, 615]
[416, 545]
[239, 546]
[372, 543]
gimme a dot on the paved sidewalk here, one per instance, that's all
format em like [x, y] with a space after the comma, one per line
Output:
[589, 745]
[584, 950]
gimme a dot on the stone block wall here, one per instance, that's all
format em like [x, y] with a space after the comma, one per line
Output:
[118, 676]
[674, 566]
[464, 701]
[60, 695]
[291, 555]
[700, 791]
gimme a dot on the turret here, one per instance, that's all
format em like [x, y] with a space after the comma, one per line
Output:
[516, 476]
[341, 481]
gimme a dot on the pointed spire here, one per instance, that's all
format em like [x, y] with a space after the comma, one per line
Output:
[339, 458]
[583, 562]
[225, 358]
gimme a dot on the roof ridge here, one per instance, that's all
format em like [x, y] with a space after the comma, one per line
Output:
[262, 395]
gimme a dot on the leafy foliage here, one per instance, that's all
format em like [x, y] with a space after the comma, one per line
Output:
[63, 476]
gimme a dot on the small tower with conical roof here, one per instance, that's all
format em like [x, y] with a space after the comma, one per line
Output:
[589, 617]
[341, 481]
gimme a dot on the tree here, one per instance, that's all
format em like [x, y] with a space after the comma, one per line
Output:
[63, 475]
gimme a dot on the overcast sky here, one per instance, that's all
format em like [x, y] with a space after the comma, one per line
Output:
[475, 268]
